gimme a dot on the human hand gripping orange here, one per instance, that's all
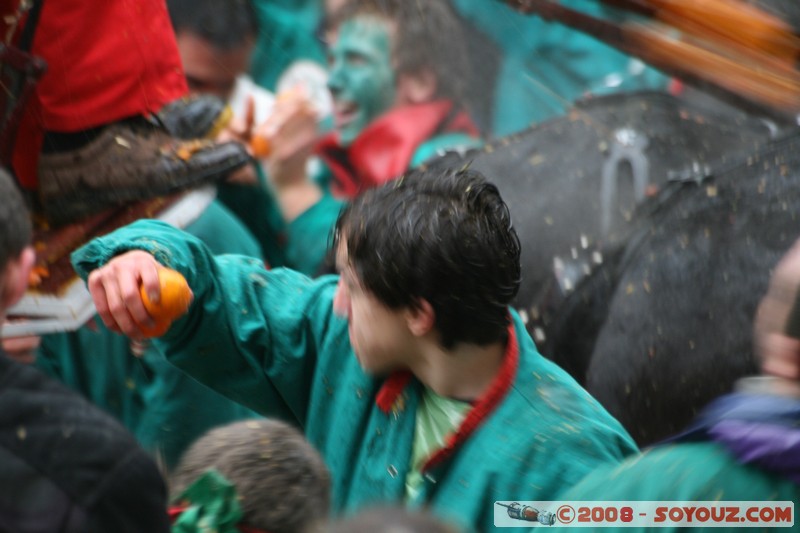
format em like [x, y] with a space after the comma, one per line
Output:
[137, 296]
[293, 115]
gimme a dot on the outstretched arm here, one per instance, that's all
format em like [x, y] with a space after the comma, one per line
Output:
[254, 335]
[291, 131]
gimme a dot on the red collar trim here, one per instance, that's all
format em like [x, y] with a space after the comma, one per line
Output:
[176, 510]
[391, 389]
[383, 151]
[390, 392]
[485, 404]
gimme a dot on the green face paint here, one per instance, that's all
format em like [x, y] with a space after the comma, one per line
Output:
[361, 78]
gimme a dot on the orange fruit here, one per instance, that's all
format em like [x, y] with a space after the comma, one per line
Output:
[174, 301]
[157, 330]
[260, 146]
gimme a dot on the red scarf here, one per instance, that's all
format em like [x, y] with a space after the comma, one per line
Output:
[384, 149]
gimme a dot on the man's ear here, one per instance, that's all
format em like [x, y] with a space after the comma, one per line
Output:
[421, 319]
[15, 278]
[417, 87]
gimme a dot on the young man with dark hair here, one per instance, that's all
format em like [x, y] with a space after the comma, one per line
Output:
[408, 372]
[66, 465]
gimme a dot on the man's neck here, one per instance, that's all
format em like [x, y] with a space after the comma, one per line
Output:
[463, 373]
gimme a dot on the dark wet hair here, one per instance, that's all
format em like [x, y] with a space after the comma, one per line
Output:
[429, 35]
[443, 236]
[15, 220]
[225, 24]
[282, 482]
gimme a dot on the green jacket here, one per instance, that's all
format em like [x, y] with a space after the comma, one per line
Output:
[270, 340]
[301, 244]
[287, 32]
[163, 407]
[702, 471]
[256, 208]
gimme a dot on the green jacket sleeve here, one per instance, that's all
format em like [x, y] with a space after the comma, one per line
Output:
[258, 211]
[309, 235]
[254, 335]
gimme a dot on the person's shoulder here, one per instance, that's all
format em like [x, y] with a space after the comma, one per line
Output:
[61, 434]
[547, 388]
[701, 471]
[565, 416]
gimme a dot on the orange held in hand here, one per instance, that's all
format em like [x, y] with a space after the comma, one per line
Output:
[260, 146]
[174, 301]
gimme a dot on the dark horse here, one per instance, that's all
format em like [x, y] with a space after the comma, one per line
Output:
[573, 185]
[664, 325]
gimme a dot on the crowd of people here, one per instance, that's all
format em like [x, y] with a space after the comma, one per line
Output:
[351, 359]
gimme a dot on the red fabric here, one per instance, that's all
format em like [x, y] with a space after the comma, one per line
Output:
[383, 151]
[391, 389]
[107, 60]
[176, 510]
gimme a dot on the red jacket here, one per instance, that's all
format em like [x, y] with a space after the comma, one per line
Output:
[383, 151]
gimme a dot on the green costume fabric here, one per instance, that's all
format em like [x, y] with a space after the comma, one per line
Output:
[98, 364]
[212, 505]
[287, 32]
[301, 244]
[270, 340]
[163, 407]
[702, 471]
[546, 66]
[258, 211]
[309, 235]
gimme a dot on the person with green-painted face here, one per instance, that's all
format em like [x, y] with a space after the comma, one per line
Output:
[397, 72]
[361, 75]
[396, 77]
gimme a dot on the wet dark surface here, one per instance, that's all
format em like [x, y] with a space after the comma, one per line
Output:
[661, 322]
